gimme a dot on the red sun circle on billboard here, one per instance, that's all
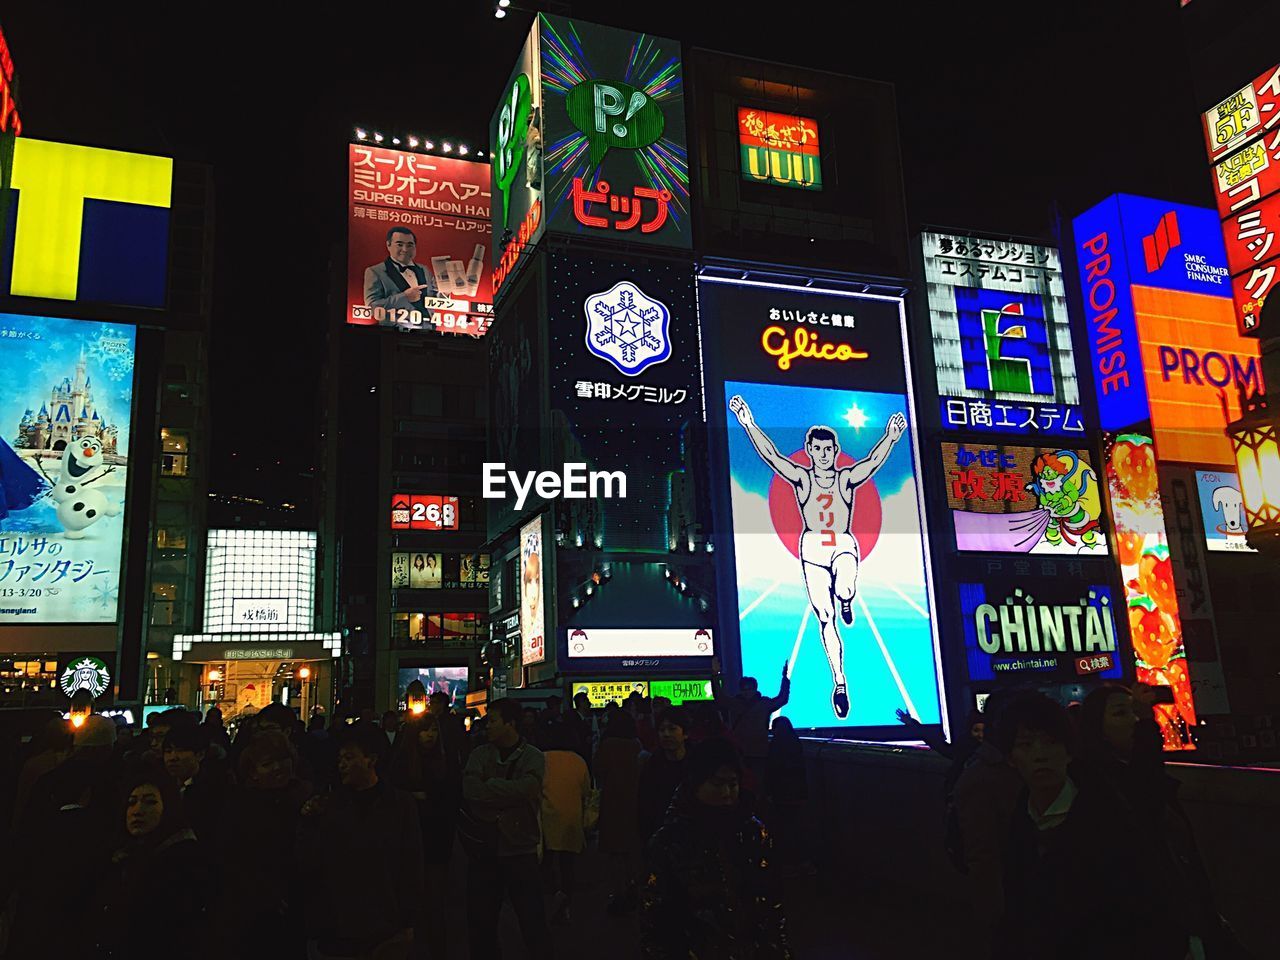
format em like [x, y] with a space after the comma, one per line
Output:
[867, 510]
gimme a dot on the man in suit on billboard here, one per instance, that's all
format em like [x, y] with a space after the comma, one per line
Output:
[397, 283]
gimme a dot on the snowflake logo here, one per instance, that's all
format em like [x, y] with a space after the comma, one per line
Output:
[628, 328]
[105, 596]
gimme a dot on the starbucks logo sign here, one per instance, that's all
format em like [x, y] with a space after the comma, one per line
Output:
[87, 673]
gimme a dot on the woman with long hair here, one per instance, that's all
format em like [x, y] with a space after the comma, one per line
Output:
[154, 893]
[421, 766]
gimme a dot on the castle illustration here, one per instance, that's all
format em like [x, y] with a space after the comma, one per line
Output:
[69, 414]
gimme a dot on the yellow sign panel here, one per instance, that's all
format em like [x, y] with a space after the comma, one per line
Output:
[54, 180]
[602, 693]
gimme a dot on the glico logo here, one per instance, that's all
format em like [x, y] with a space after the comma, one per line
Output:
[1157, 244]
[1004, 344]
[804, 345]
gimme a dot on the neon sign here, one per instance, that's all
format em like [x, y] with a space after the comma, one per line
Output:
[779, 148]
[423, 512]
[10, 122]
[630, 207]
[804, 346]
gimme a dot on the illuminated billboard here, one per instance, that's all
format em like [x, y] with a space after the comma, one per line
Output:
[779, 148]
[515, 152]
[1001, 340]
[601, 693]
[1222, 510]
[615, 149]
[1039, 630]
[1252, 110]
[1162, 334]
[423, 511]
[598, 643]
[418, 238]
[1012, 499]
[65, 410]
[1242, 135]
[432, 571]
[260, 581]
[533, 618]
[1146, 568]
[91, 224]
[452, 681]
[831, 562]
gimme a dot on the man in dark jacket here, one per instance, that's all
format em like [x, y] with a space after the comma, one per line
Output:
[748, 715]
[712, 889]
[663, 771]
[502, 785]
[201, 778]
[361, 847]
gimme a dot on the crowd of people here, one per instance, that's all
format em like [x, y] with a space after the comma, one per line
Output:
[336, 840]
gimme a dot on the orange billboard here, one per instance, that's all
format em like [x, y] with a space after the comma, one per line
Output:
[1194, 362]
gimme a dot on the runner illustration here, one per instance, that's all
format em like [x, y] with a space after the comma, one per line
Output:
[828, 551]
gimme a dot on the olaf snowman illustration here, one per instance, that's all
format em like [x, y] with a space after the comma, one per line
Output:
[79, 506]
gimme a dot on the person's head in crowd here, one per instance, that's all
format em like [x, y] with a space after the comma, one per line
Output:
[558, 736]
[673, 732]
[748, 687]
[644, 709]
[267, 763]
[994, 706]
[438, 703]
[1035, 733]
[426, 734]
[184, 750]
[274, 716]
[783, 730]
[553, 706]
[213, 717]
[633, 701]
[610, 709]
[502, 723]
[359, 748]
[976, 725]
[56, 737]
[621, 725]
[97, 733]
[1107, 724]
[152, 808]
[659, 704]
[529, 723]
[713, 774]
[390, 721]
[159, 725]
[316, 724]
[582, 702]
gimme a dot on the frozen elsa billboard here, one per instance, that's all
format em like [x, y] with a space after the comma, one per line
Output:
[64, 454]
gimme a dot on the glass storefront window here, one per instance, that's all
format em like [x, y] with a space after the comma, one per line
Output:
[173, 453]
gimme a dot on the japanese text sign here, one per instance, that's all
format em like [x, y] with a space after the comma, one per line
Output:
[515, 149]
[418, 234]
[65, 411]
[616, 162]
[1165, 346]
[1002, 344]
[1013, 499]
[423, 512]
[1247, 112]
[779, 148]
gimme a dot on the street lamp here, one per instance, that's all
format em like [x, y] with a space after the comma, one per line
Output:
[1255, 445]
[416, 698]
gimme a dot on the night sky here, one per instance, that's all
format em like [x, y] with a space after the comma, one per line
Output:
[1005, 109]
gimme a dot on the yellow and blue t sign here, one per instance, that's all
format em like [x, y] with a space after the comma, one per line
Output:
[90, 224]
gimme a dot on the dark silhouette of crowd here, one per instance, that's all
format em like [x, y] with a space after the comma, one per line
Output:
[336, 840]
